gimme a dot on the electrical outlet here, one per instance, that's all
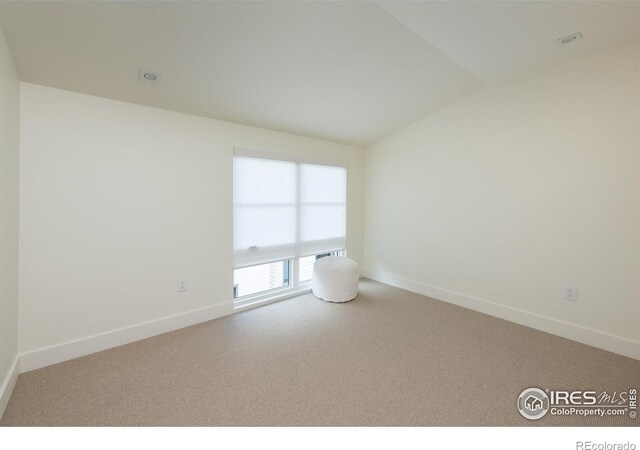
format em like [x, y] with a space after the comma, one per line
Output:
[571, 294]
[182, 285]
[380, 254]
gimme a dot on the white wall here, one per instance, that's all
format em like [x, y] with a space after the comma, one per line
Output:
[119, 200]
[500, 200]
[9, 184]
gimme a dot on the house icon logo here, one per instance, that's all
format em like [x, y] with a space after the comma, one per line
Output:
[533, 403]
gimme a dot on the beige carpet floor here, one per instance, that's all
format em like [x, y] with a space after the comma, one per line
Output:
[390, 357]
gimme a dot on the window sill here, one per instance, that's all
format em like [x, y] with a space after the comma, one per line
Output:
[253, 302]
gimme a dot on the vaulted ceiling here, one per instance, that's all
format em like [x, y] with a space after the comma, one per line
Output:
[350, 72]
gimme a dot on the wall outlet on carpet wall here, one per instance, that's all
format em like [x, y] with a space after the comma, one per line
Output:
[571, 293]
[182, 285]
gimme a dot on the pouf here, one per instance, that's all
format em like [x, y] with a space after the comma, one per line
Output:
[335, 279]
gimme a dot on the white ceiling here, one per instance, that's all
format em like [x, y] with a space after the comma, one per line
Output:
[350, 72]
[498, 40]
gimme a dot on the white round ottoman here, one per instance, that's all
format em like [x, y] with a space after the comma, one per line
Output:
[335, 279]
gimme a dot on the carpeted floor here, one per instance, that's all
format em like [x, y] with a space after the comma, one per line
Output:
[390, 357]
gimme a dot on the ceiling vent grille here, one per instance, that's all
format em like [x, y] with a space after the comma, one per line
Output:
[569, 39]
[148, 76]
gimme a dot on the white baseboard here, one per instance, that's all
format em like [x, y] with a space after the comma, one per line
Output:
[10, 380]
[73, 349]
[606, 341]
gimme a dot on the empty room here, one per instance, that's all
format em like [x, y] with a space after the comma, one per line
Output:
[321, 214]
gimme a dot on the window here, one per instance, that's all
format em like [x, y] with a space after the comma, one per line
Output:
[261, 278]
[275, 278]
[286, 213]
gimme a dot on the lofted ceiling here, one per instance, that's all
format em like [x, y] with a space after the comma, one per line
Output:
[501, 39]
[350, 72]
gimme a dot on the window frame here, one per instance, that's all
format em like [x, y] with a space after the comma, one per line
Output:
[295, 287]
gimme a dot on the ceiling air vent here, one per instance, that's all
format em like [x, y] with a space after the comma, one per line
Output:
[148, 76]
[569, 39]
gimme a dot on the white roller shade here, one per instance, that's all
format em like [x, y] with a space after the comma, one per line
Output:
[286, 209]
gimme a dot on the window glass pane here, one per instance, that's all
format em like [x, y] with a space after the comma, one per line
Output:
[322, 184]
[322, 222]
[256, 279]
[306, 268]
